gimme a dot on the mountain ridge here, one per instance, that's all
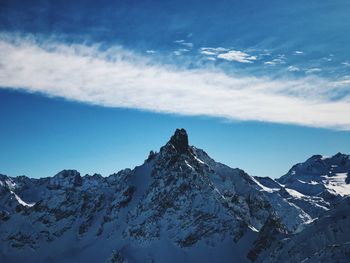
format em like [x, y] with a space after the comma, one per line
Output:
[179, 200]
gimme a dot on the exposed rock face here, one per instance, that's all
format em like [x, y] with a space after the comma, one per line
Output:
[66, 179]
[180, 141]
[325, 240]
[180, 202]
[347, 180]
[271, 232]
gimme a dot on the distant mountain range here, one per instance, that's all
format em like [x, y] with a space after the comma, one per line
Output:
[179, 206]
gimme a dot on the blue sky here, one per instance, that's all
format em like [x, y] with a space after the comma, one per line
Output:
[95, 85]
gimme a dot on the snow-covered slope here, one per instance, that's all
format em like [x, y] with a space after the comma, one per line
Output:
[327, 177]
[325, 240]
[320, 187]
[178, 206]
[315, 185]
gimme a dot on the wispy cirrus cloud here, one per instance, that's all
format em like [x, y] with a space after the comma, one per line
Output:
[184, 43]
[116, 77]
[298, 52]
[280, 59]
[312, 70]
[293, 69]
[150, 51]
[236, 55]
[212, 50]
[346, 63]
[227, 54]
[180, 51]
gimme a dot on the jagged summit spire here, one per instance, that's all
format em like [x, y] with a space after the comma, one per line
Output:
[180, 140]
[177, 145]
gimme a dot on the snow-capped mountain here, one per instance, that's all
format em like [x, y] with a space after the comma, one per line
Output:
[320, 187]
[327, 177]
[315, 185]
[178, 206]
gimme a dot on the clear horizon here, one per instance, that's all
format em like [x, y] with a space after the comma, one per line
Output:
[94, 86]
[93, 139]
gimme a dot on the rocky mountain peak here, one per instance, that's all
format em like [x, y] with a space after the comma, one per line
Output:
[180, 200]
[315, 158]
[341, 159]
[179, 140]
[68, 173]
[66, 178]
[339, 155]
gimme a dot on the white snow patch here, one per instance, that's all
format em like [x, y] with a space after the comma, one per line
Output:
[253, 228]
[11, 184]
[189, 165]
[337, 184]
[21, 201]
[264, 188]
[198, 160]
[295, 193]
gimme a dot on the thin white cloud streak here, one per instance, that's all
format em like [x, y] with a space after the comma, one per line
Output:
[186, 44]
[281, 59]
[226, 54]
[236, 55]
[293, 69]
[207, 53]
[313, 70]
[212, 50]
[118, 78]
